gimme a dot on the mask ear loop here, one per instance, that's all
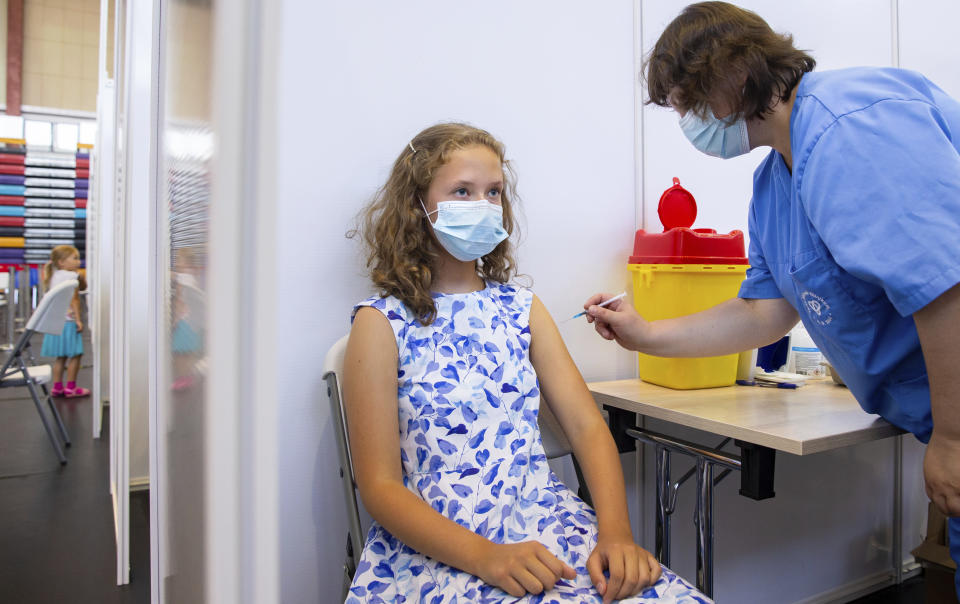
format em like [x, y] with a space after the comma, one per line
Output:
[426, 213]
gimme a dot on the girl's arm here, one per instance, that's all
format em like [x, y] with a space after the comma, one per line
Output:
[75, 307]
[631, 568]
[370, 393]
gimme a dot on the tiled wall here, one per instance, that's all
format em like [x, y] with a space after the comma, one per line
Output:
[60, 53]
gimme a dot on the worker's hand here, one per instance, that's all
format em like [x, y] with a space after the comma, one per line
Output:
[79, 326]
[631, 567]
[941, 473]
[522, 568]
[618, 321]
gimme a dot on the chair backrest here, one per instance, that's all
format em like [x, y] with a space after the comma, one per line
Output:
[555, 442]
[49, 317]
[51, 312]
[333, 375]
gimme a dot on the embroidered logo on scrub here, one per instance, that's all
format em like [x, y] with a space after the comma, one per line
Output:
[817, 307]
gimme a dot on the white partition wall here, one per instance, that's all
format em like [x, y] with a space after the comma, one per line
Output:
[119, 426]
[245, 416]
[925, 26]
[179, 473]
[100, 246]
[553, 80]
[132, 289]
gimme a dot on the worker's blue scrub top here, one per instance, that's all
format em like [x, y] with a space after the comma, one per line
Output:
[865, 231]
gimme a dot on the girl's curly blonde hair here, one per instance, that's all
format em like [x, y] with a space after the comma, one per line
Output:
[399, 246]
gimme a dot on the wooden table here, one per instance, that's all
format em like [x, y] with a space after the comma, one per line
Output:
[819, 416]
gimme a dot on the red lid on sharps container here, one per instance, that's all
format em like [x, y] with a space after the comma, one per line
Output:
[680, 244]
[677, 207]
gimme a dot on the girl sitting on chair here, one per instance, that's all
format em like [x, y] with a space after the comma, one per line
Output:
[442, 381]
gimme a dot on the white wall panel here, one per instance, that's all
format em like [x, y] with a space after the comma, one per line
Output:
[723, 187]
[553, 80]
[927, 41]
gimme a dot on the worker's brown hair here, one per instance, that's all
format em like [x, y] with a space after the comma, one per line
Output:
[718, 52]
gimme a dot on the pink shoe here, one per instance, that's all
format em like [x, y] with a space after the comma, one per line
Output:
[182, 383]
[57, 391]
[76, 392]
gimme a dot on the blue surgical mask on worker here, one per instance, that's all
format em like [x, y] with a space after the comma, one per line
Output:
[468, 229]
[715, 136]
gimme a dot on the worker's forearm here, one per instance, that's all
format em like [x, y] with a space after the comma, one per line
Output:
[945, 396]
[730, 327]
[419, 526]
[938, 325]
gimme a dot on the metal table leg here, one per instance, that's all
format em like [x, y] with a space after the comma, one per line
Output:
[897, 548]
[663, 503]
[706, 459]
[704, 515]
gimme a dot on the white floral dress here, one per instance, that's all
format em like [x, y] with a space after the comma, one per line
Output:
[470, 447]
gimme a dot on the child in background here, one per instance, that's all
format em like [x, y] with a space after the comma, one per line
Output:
[442, 383]
[67, 347]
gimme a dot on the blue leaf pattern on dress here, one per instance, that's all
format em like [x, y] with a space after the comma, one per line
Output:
[470, 447]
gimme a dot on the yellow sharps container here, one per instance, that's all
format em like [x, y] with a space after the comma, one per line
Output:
[679, 272]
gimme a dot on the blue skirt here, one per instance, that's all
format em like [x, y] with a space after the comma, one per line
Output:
[68, 344]
[184, 339]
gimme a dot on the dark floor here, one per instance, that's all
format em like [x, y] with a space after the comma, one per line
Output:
[911, 591]
[56, 522]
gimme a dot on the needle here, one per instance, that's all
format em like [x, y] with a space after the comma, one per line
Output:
[604, 303]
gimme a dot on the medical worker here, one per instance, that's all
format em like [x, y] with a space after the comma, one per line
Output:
[854, 222]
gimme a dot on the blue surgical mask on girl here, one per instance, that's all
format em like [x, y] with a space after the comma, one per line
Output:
[468, 229]
[716, 137]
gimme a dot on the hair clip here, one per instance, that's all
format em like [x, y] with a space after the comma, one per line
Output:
[410, 144]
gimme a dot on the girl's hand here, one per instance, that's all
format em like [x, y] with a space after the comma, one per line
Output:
[522, 568]
[79, 326]
[631, 568]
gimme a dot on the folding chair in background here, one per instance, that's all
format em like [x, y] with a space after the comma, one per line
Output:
[49, 317]
[555, 445]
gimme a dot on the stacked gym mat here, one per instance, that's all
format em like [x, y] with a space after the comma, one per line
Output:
[43, 203]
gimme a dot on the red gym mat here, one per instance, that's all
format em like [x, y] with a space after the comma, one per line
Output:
[12, 158]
